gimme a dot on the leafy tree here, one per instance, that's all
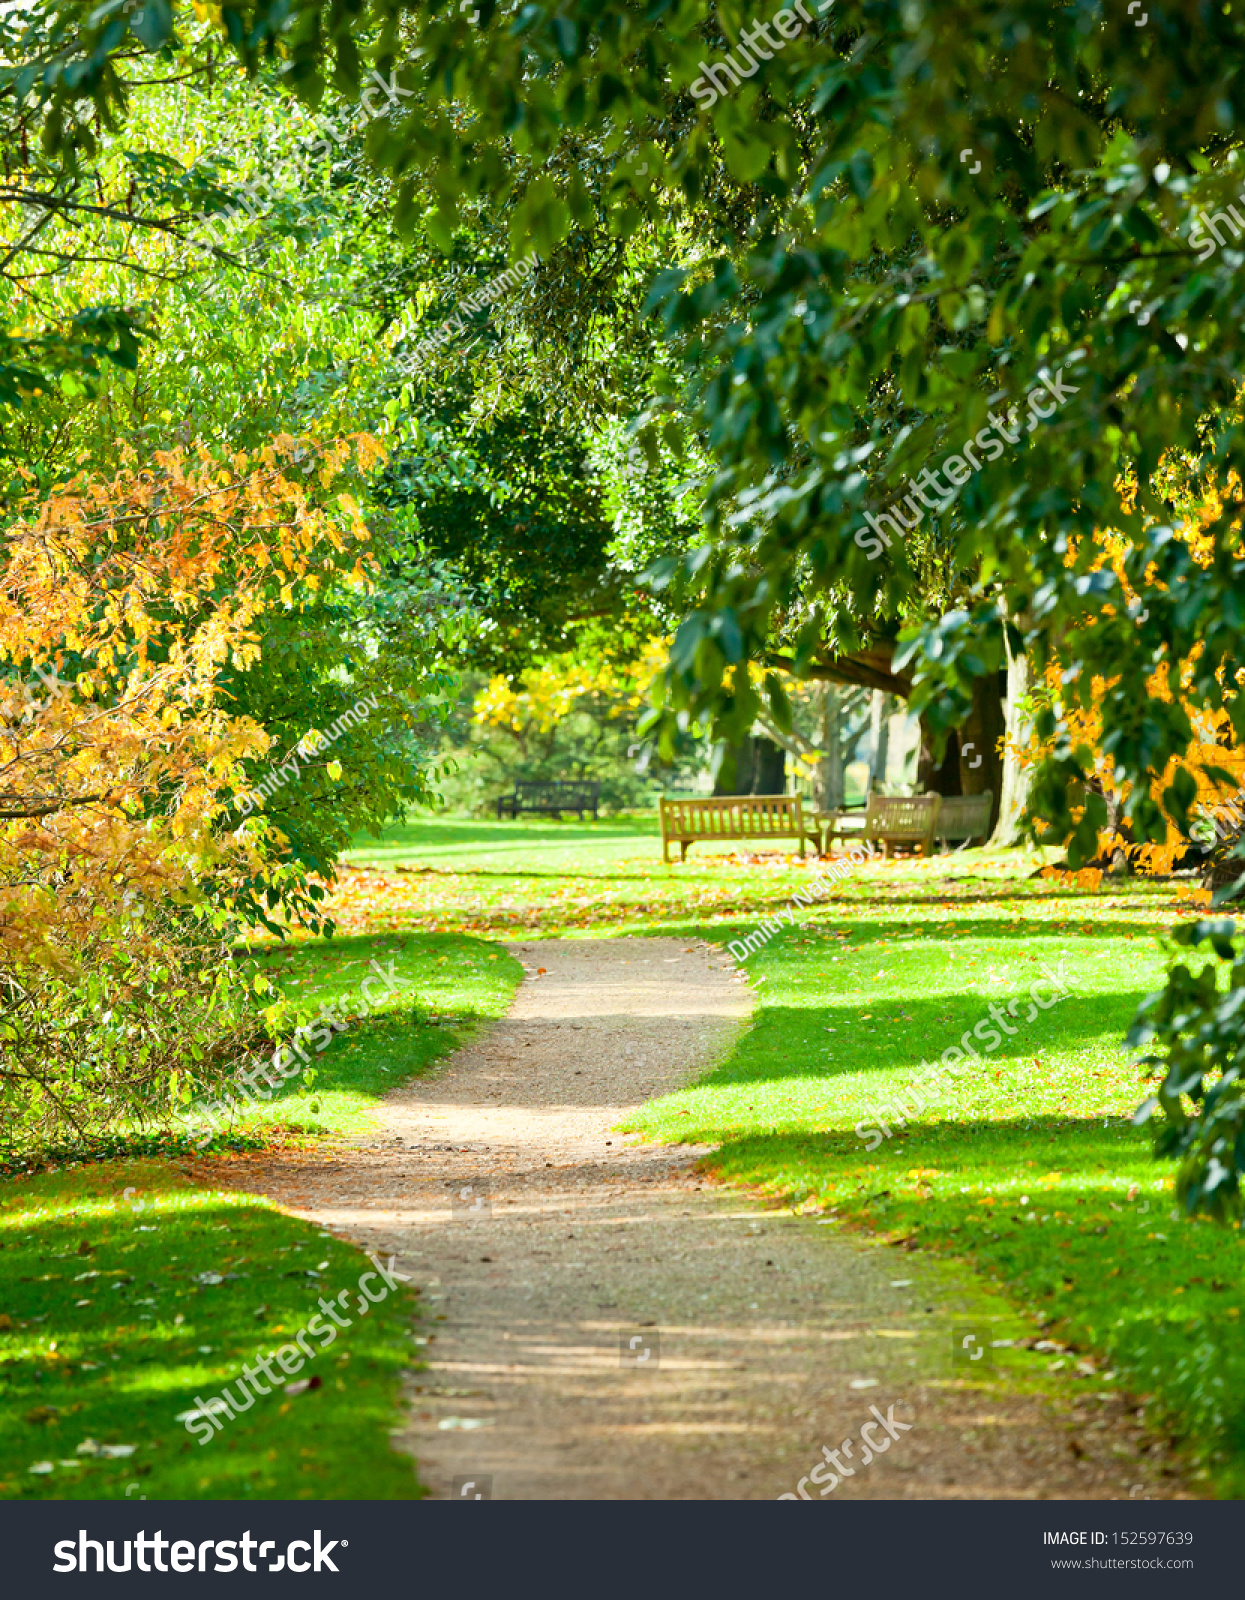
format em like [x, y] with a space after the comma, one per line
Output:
[825, 725]
[572, 716]
[513, 505]
[119, 753]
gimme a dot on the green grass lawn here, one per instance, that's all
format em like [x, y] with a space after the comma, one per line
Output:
[121, 1310]
[1027, 1163]
[127, 1292]
[536, 844]
[447, 986]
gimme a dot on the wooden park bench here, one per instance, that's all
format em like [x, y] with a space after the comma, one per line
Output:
[889, 820]
[733, 816]
[964, 817]
[551, 798]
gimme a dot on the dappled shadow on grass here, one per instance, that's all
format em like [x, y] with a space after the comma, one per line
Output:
[118, 1369]
[1015, 891]
[1016, 927]
[1042, 1204]
[792, 1042]
[118, 1147]
[829, 918]
[486, 829]
[450, 985]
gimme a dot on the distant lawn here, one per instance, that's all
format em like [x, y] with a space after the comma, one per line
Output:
[118, 1310]
[539, 844]
[1028, 1164]
[541, 879]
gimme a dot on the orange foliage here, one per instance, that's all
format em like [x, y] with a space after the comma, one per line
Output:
[125, 599]
[1210, 749]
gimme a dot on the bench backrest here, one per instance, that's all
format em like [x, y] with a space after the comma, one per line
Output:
[734, 816]
[901, 816]
[571, 790]
[964, 816]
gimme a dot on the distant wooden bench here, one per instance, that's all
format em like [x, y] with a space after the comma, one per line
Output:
[550, 798]
[965, 817]
[733, 816]
[891, 820]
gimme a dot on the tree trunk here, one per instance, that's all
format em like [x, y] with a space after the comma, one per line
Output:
[744, 754]
[1017, 780]
[769, 767]
[830, 767]
[938, 778]
[981, 764]
[879, 732]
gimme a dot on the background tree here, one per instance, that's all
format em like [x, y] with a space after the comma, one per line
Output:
[826, 725]
[120, 752]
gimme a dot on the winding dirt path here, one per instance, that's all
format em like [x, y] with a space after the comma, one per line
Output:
[550, 1255]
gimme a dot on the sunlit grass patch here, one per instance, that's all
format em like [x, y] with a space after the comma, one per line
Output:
[126, 1293]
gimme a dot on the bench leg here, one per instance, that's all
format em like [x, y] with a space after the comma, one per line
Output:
[683, 844]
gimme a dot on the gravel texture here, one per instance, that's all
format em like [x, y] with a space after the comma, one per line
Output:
[551, 1254]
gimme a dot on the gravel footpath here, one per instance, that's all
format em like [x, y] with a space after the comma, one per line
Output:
[605, 1324]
